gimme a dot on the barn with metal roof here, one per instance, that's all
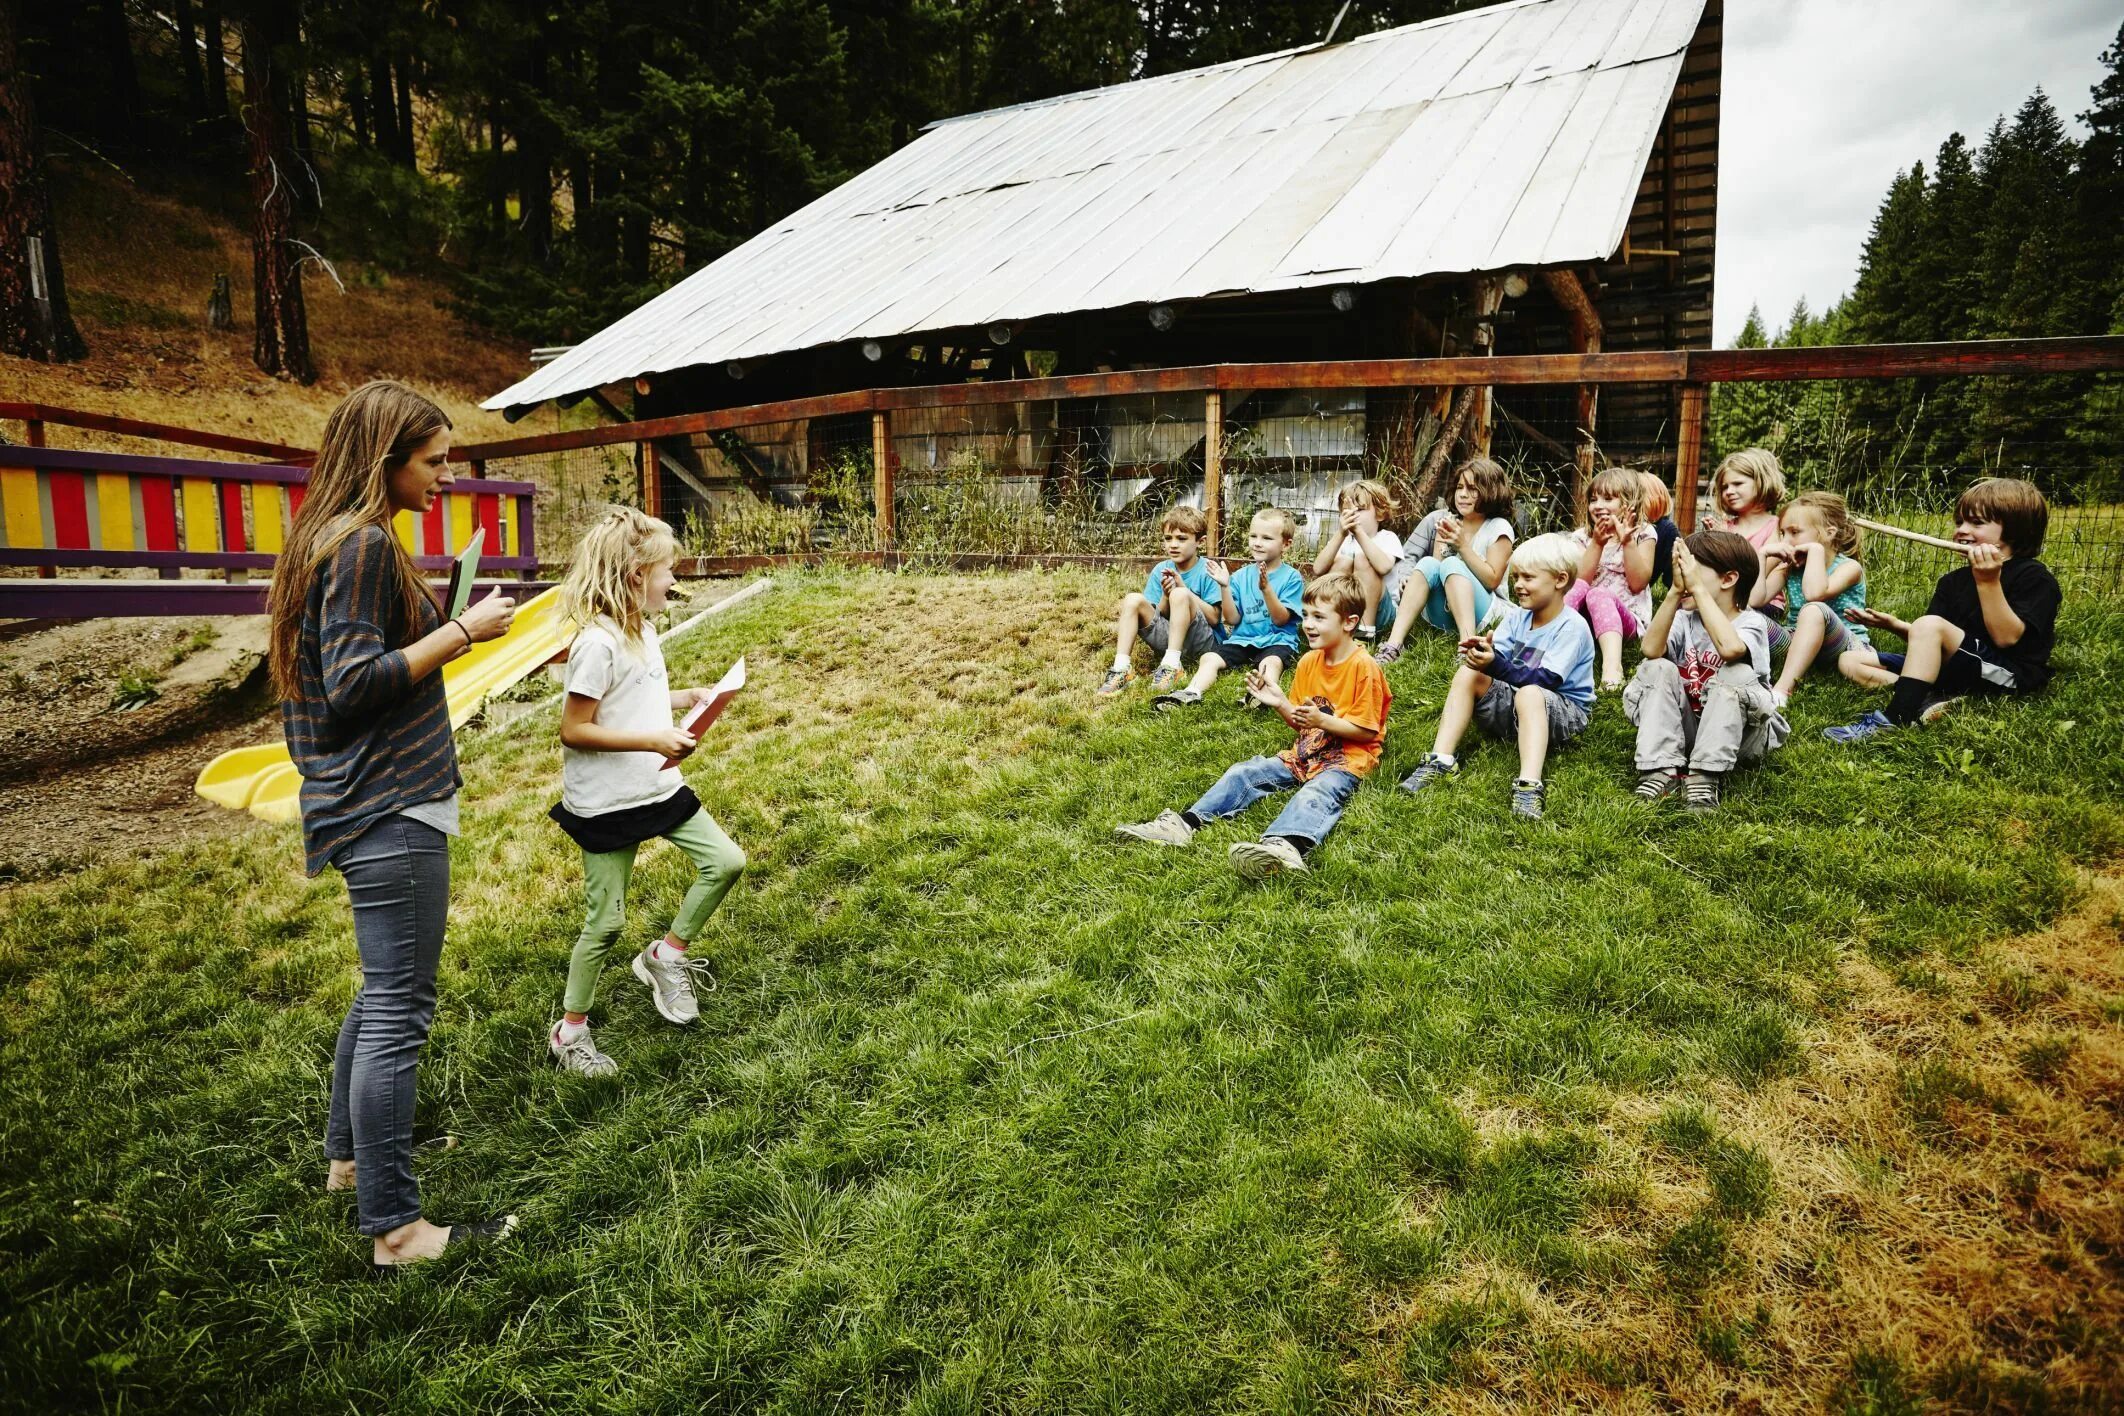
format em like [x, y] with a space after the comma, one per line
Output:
[1535, 176]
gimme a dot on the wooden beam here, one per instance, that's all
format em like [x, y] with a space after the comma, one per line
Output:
[1586, 336]
[1213, 465]
[882, 469]
[1688, 454]
[1489, 299]
[649, 474]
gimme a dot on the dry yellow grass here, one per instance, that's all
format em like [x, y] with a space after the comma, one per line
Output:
[139, 268]
[1951, 1210]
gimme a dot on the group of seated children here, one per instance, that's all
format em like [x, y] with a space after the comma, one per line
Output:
[1703, 699]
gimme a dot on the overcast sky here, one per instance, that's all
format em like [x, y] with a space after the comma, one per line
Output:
[1825, 99]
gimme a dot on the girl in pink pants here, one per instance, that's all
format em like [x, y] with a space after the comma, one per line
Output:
[1613, 590]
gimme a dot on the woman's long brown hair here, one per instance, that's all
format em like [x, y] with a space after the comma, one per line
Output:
[374, 429]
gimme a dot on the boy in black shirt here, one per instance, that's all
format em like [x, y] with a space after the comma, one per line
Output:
[1991, 624]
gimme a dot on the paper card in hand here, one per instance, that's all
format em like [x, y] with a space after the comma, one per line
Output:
[463, 571]
[706, 712]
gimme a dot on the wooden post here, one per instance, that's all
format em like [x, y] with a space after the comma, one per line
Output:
[1688, 455]
[1489, 299]
[1586, 334]
[1213, 466]
[881, 461]
[649, 477]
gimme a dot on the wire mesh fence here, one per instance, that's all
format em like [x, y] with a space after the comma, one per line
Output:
[1095, 475]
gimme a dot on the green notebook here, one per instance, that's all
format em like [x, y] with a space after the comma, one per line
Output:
[464, 571]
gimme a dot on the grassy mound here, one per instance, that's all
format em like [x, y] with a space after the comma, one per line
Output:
[1796, 1105]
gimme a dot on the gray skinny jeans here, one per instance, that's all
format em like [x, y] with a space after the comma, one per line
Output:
[1740, 722]
[398, 880]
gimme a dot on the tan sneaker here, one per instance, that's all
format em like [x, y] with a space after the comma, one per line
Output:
[1164, 677]
[1115, 681]
[1271, 855]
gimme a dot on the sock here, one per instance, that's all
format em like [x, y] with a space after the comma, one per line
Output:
[568, 1032]
[1121, 662]
[1908, 701]
[1298, 843]
[1446, 758]
[1526, 781]
[1194, 822]
[664, 953]
[1171, 659]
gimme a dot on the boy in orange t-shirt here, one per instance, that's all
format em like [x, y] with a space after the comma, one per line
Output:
[1338, 704]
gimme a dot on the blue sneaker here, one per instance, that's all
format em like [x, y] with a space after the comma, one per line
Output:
[1872, 725]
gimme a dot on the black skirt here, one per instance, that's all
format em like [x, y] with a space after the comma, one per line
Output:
[618, 830]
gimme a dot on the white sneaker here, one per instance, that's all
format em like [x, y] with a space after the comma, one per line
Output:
[580, 1056]
[1779, 698]
[1167, 828]
[670, 982]
[1271, 855]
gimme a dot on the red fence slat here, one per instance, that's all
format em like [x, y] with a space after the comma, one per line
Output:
[434, 540]
[487, 509]
[232, 537]
[69, 493]
[158, 512]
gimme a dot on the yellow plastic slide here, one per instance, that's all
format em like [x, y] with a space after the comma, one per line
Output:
[261, 779]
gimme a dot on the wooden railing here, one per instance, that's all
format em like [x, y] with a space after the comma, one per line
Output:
[1692, 371]
[36, 417]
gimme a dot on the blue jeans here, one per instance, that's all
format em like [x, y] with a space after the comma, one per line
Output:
[1308, 816]
[398, 880]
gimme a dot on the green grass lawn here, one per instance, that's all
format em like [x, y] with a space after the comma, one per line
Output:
[992, 1112]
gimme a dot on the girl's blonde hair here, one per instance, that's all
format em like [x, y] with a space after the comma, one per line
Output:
[376, 428]
[1621, 483]
[1838, 529]
[1371, 491]
[603, 582]
[1759, 465]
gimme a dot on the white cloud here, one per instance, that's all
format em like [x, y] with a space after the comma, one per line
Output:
[1826, 100]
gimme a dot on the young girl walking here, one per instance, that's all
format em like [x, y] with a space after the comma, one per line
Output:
[1616, 551]
[617, 738]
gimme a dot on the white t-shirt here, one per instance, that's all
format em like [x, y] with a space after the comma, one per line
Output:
[632, 696]
[1423, 541]
[1348, 551]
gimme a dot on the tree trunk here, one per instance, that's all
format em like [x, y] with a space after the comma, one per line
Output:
[382, 106]
[217, 60]
[34, 320]
[408, 153]
[357, 96]
[194, 75]
[282, 343]
[534, 159]
[497, 172]
[307, 183]
[116, 38]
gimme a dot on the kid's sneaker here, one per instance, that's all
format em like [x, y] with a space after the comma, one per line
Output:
[1700, 792]
[1657, 785]
[1178, 698]
[1872, 725]
[580, 1056]
[1937, 709]
[1526, 798]
[1164, 677]
[1167, 828]
[1386, 653]
[1433, 768]
[670, 982]
[1115, 681]
[1271, 855]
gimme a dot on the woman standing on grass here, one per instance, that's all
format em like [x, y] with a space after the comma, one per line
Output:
[357, 643]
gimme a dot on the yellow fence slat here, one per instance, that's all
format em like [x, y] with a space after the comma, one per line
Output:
[460, 523]
[265, 517]
[202, 527]
[407, 529]
[114, 510]
[511, 538]
[18, 501]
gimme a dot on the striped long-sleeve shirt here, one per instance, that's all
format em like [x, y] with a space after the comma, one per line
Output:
[367, 738]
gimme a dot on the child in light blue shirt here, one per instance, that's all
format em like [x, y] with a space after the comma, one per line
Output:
[1176, 613]
[1260, 614]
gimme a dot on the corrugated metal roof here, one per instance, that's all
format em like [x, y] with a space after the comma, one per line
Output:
[1513, 135]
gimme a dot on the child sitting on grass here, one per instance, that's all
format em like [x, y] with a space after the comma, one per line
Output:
[616, 739]
[1616, 551]
[1338, 705]
[1260, 613]
[1454, 561]
[1749, 485]
[1701, 698]
[1816, 584]
[1362, 548]
[1991, 624]
[1530, 680]
[1658, 502]
[1176, 611]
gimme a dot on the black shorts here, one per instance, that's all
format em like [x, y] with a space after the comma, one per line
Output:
[1247, 656]
[1977, 667]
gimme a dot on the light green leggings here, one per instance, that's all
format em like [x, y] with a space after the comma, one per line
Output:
[719, 862]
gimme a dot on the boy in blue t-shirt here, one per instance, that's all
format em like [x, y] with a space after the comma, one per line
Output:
[1176, 611]
[1260, 613]
[1531, 678]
